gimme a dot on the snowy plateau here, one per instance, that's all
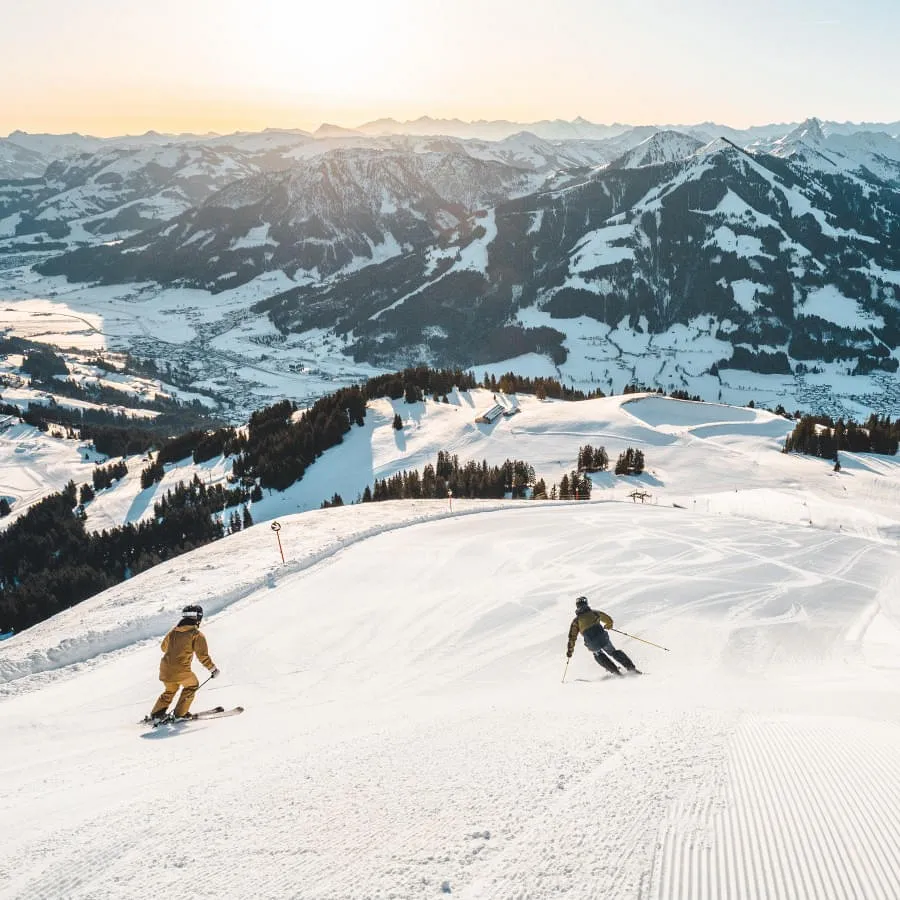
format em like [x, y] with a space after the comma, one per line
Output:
[411, 728]
[760, 265]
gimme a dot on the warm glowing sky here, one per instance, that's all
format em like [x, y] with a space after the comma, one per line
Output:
[123, 66]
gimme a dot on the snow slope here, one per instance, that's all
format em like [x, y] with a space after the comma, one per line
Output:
[694, 452]
[407, 732]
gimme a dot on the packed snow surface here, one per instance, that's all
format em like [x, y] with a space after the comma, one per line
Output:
[412, 729]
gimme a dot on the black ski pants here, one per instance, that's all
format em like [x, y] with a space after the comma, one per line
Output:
[596, 639]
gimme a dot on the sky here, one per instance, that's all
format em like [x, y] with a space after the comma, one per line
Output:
[106, 68]
[411, 725]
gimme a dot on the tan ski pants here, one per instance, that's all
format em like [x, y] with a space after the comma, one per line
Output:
[188, 683]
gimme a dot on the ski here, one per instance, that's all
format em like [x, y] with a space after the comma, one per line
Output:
[206, 712]
[202, 714]
[219, 713]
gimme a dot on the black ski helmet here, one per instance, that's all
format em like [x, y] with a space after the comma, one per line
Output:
[581, 604]
[193, 613]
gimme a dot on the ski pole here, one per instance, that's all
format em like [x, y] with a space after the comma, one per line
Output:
[203, 682]
[633, 637]
[566, 669]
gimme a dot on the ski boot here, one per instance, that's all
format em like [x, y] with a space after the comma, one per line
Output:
[156, 719]
[624, 660]
[607, 663]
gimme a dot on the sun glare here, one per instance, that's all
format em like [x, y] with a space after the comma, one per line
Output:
[336, 60]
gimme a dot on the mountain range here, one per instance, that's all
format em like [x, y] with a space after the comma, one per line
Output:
[775, 250]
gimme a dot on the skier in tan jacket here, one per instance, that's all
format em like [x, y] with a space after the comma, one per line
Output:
[592, 625]
[179, 647]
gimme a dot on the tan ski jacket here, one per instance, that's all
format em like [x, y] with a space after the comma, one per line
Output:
[179, 647]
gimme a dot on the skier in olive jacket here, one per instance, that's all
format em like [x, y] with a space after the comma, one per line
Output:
[593, 625]
[179, 647]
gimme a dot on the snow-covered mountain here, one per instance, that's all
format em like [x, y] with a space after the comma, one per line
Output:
[19, 162]
[339, 211]
[495, 130]
[412, 726]
[661, 147]
[863, 153]
[769, 262]
[776, 254]
[123, 190]
[582, 129]
[25, 155]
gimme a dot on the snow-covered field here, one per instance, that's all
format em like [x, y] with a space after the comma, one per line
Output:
[407, 730]
[696, 455]
[233, 353]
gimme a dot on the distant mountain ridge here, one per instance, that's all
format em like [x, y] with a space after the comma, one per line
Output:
[778, 254]
[26, 155]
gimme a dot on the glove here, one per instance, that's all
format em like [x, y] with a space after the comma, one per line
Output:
[568, 654]
[214, 672]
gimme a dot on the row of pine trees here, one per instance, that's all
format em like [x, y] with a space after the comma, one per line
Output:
[823, 437]
[513, 479]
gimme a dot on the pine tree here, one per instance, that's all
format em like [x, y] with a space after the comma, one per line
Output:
[151, 474]
[631, 462]
[585, 457]
[638, 462]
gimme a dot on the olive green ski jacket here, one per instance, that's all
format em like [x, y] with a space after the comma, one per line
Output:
[587, 619]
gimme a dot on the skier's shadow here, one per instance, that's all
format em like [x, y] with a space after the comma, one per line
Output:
[163, 732]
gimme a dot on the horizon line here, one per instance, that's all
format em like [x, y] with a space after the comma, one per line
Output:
[440, 120]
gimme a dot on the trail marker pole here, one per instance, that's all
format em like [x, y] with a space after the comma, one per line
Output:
[450, 498]
[276, 527]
